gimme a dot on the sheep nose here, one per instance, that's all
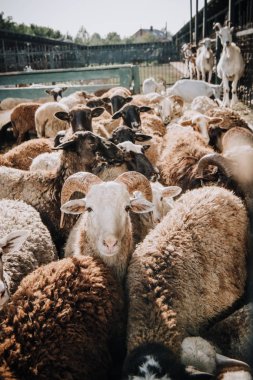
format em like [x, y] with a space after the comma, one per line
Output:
[227, 43]
[110, 243]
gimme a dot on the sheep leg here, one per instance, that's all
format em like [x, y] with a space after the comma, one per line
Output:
[234, 99]
[225, 91]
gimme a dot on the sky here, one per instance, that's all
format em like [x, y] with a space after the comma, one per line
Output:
[101, 16]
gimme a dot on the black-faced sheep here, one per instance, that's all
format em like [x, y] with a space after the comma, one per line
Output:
[63, 322]
[38, 248]
[187, 273]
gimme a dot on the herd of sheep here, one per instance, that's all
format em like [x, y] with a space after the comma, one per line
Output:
[126, 226]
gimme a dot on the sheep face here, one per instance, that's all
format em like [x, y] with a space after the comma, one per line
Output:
[119, 101]
[12, 242]
[80, 117]
[106, 220]
[163, 199]
[225, 35]
[131, 115]
[123, 133]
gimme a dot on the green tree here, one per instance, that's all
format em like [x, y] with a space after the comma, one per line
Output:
[95, 39]
[112, 38]
[82, 36]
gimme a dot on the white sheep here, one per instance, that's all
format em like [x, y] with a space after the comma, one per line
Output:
[104, 230]
[202, 104]
[38, 248]
[46, 161]
[231, 65]
[47, 125]
[74, 99]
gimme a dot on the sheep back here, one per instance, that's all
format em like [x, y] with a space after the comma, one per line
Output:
[189, 269]
[59, 322]
[37, 250]
[47, 125]
[23, 119]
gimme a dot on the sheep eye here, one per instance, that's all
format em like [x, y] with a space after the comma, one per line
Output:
[89, 209]
[127, 208]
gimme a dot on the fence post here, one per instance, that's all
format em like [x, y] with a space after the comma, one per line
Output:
[136, 79]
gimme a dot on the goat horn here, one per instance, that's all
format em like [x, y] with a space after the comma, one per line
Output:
[136, 182]
[81, 181]
[214, 159]
[217, 26]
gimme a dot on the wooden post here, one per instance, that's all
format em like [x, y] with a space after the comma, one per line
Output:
[231, 11]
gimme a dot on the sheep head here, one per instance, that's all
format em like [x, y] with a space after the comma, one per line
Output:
[107, 206]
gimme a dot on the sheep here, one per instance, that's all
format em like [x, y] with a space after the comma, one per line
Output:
[199, 122]
[72, 100]
[169, 108]
[179, 160]
[21, 156]
[151, 85]
[23, 121]
[205, 60]
[230, 118]
[56, 92]
[200, 355]
[10, 103]
[124, 133]
[187, 258]
[203, 104]
[189, 89]
[118, 97]
[8, 244]
[163, 199]
[231, 65]
[65, 321]
[46, 161]
[45, 123]
[105, 228]
[38, 248]
[42, 189]
[233, 335]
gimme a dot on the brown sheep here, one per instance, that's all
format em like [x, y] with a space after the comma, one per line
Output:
[23, 120]
[63, 322]
[187, 273]
[21, 156]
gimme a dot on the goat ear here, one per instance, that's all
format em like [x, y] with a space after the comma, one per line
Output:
[117, 115]
[186, 122]
[62, 116]
[13, 241]
[171, 191]
[145, 109]
[48, 92]
[141, 205]
[232, 29]
[75, 207]
[64, 89]
[97, 111]
[142, 137]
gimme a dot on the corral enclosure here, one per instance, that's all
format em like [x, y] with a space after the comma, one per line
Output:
[158, 59]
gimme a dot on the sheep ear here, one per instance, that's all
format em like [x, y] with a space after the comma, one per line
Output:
[117, 115]
[48, 92]
[64, 89]
[76, 206]
[128, 99]
[215, 120]
[62, 116]
[184, 123]
[201, 376]
[106, 100]
[97, 111]
[13, 241]
[142, 137]
[145, 109]
[141, 205]
[171, 191]
[145, 147]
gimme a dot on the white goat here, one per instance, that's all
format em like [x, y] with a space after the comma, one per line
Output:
[189, 89]
[205, 60]
[190, 59]
[231, 65]
[151, 85]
